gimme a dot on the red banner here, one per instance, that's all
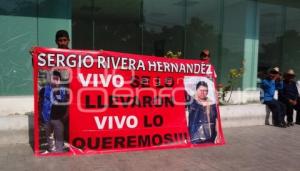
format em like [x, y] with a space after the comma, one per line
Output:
[103, 101]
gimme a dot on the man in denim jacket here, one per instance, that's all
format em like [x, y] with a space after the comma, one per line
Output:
[53, 111]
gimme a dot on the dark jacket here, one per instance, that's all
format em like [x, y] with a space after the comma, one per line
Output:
[201, 128]
[51, 103]
[289, 91]
[269, 86]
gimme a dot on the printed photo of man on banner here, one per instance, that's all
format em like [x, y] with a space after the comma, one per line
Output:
[90, 102]
[53, 110]
[201, 109]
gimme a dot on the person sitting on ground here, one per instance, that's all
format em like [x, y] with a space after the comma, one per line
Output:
[290, 97]
[269, 85]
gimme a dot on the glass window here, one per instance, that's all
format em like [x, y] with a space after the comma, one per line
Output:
[117, 25]
[27, 23]
[270, 41]
[291, 39]
[233, 38]
[107, 24]
[82, 24]
[17, 35]
[18, 8]
[163, 26]
[203, 28]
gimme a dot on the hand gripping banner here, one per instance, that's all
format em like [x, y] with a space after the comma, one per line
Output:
[103, 101]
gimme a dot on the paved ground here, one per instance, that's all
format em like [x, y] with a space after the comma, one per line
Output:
[248, 148]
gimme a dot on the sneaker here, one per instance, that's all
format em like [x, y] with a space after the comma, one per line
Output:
[290, 124]
[61, 151]
[45, 152]
[51, 149]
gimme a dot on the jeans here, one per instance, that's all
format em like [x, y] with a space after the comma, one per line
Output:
[48, 131]
[58, 129]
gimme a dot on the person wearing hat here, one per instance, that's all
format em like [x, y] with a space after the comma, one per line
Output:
[269, 85]
[290, 97]
[205, 55]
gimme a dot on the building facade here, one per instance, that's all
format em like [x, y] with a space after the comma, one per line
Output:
[258, 33]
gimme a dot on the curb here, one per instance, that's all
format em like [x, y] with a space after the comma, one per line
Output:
[19, 128]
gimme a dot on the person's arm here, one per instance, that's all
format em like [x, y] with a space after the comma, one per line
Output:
[31, 53]
[215, 115]
[187, 100]
[65, 99]
[40, 103]
[192, 120]
[218, 138]
[295, 101]
[265, 84]
[282, 95]
[279, 84]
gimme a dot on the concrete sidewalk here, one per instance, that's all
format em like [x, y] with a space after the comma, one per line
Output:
[19, 127]
[247, 148]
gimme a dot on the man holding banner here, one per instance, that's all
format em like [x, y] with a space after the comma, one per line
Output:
[125, 102]
[62, 41]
